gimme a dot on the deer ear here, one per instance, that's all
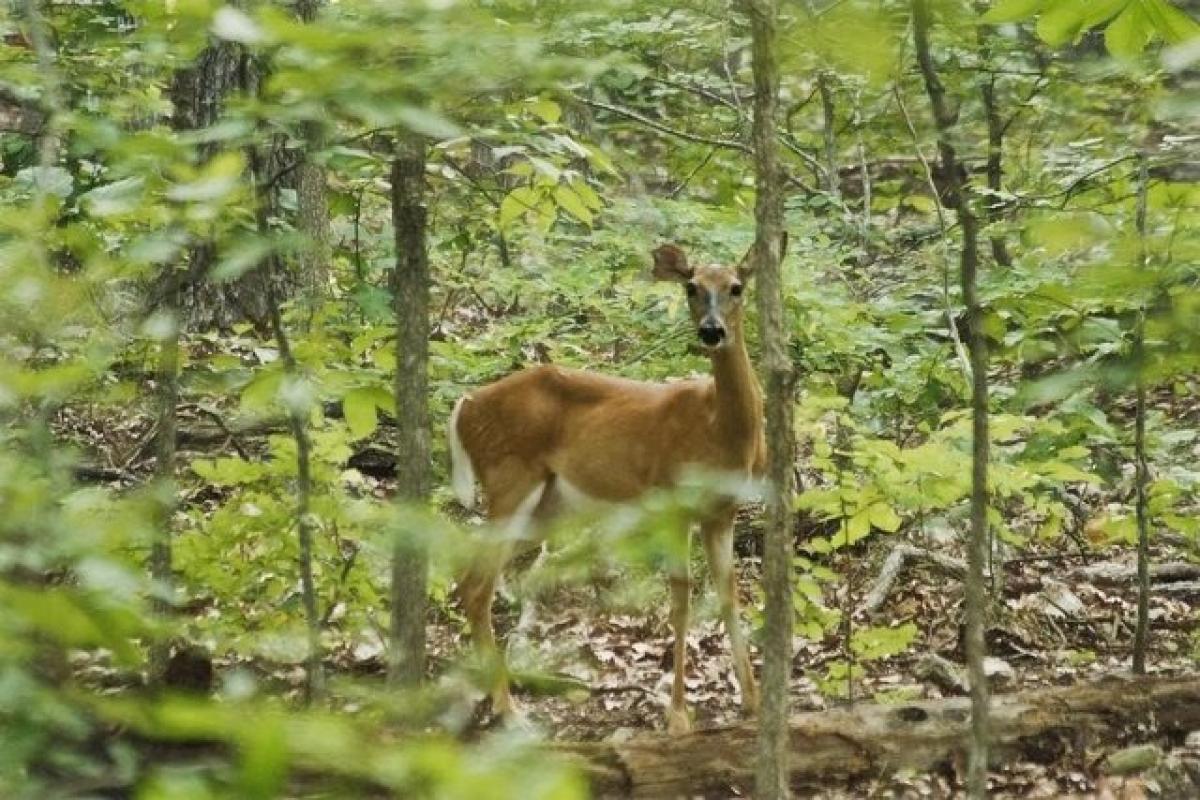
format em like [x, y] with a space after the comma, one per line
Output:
[670, 264]
[745, 269]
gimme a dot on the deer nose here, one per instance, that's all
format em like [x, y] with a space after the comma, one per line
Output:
[711, 333]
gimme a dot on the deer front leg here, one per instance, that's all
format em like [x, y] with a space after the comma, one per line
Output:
[681, 598]
[476, 588]
[718, 547]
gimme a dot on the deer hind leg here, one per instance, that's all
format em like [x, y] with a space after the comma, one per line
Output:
[718, 546]
[511, 512]
[681, 599]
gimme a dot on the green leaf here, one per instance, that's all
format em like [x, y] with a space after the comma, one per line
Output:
[359, 407]
[870, 644]
[1099, 11]
[516, 204]
[428, 123]
[51, 180]
[545, 108]
[884, 517]
[569, 201]
[239, 258]
[1173, 24]
[1062, 22]
[1129, 33]
[589, 197]
[919, 202]
[260, 393]
[1012, 10]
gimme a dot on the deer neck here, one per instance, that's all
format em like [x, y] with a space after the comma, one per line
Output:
[738, 398]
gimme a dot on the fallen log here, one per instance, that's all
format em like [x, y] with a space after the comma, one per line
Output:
[1117, 573]
[873, 740]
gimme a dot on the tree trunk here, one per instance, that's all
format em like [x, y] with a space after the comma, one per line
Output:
[167, 378]
[978, 545]
[829, 121]
[995, 151]
[1141, 466]
[198, 95]
[771, 779]
[873, 740]
[406, 663]
[312, 199]
[298, 419]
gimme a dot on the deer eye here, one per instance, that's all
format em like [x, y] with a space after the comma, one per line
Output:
[692, 289]
[736, 290]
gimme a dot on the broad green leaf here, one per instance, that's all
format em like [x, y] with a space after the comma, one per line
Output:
[589, 197]
[884, 517]
[51, 180]
[874, 643]
[360, 410]
[1173, 24]
[384, 399]
[262, 390]
[516, 204]
[239, 258]
[546, 109]
[1062, 22]
[427, 122]
[600, 161]
[1099, 11]
[569, 201]
[112, 199]
[1012, 10]
[919, 202]
[1129, 33]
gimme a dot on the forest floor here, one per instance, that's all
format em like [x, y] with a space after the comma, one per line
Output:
[1065, 615]
[1056, 626]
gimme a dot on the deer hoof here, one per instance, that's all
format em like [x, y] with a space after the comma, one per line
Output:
[750, 703]
[678, 722]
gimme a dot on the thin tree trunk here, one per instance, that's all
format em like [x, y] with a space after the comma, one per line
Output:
[772, 774]
[410, 563]
[829, 119]
[977, 549]
[297, 414]
[1141, 467]
[305, 524]
[161, 558]
[312, 199]
[52, 101]
[995, 151]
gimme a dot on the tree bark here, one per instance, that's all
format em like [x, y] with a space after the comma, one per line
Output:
[167, 378]
[978, 545]
[771, 779]
[312, 199]
[298, 417]
[871, 740]
[410, 564]
[1141, 466]
[995, 151]
[829, 121]
[198, 96]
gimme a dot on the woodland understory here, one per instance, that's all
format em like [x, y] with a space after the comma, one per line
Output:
[252, 254]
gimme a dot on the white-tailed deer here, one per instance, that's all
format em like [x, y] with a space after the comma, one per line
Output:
[546, 437]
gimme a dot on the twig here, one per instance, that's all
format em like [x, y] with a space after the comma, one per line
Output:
[219, 421]
[728, 144]
[894, 564]
[683, 183]
[959, 349]
[628, 113]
